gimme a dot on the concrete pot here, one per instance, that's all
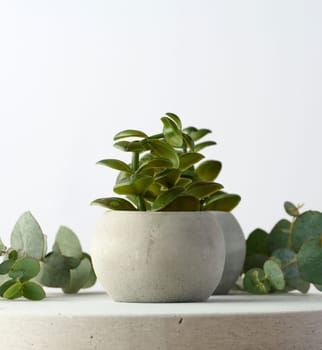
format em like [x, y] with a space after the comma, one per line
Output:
[235, 247]
[158, 256]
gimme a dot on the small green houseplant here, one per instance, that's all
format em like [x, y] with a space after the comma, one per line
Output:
[168, 183]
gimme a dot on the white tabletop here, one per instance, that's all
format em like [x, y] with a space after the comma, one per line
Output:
[91, 320]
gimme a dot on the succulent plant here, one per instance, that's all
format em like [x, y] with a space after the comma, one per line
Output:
[167, 172]
[26, 266]
[288, 258]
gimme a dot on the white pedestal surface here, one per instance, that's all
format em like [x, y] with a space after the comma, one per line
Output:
[93, 321]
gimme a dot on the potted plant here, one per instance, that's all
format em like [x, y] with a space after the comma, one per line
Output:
[171, 238]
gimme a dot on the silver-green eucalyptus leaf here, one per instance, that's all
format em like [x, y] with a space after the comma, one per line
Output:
[33, 291]
[78, 276]
[67, 243]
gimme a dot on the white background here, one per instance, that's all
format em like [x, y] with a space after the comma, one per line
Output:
[73, 73]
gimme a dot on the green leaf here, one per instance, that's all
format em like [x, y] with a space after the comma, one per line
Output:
[164, 150]
[196, 134]
[54, 271]
[168, 178]
[203, 145]
[307, 226]
[175, 118]
[254, 260]
[92, 276]
[291, 209]
[184, 182]
[203, 189]
[133, 185]
[209, 170]
[25, 269]
[13, 292]
[12, 254]
[189, 159]
[275, 274]
[183, 203]
[255, 282]
[129, 133]
[67, 243]
[256, 242]
[6, 285]
[165, 198]
[78, 277]
[27, 237]
[33, 291]
[318, 287]
[278, 237]
[188, 141]
[134, 146]
[171, 132]
[115, 164]
[310, 261]
[2, 248]
[5, 266]
[114, 203]
[222, 201]
[155, 163]
[289, 266]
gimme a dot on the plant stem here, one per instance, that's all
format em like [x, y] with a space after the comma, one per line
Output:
[289, 240]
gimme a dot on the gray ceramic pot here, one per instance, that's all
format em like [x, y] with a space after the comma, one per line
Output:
[235, 246]
[158, 256]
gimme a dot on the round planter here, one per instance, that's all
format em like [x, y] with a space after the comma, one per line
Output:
[235, 251]
[158, 256]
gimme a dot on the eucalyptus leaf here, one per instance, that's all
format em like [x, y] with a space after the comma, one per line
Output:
[279, 236]
[209, 170]
[92, 276]
[307, 226]
[26, 268]
[54, 271]
[256, 282]
[78, 277]
[67, 243]
[291, 209]
[33, 291]
[6, 285]
[275, 274]
[171, 132]
[114, 203]
[166, 198]
[222, 201]
[256, 260]
[115, 164]
[203, 189]
[129, 133]
[189, 159]
[5, 266]
[134, 185]
[14, 291]
[27, 237]
[256, 242]
[310, 261]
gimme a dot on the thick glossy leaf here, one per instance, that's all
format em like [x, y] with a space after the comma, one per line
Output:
[255, 282]
[114, 203]
[254, 260]
[183, 203]
[308, 225]
[27, 237]
[208, 170]
[184, 182]
[5, 266]
[168, 178]
[166, 198]
[222, 202]
[289, 265]
[175, 118]
[134, 185]
[54, 271]
[171, 132]
[279, 236]
[188, 142]
[152, 192]
[67, 243]
[129, 133]
[196, 134]
[5, 285]
[291, 209]
[190, 174]
[115, 164]
[33, 291]
[78, 277]
[26, 268]
[134, 146]
[256, 242]
[14, 291]
[310, 261]
[155, 163]
[163, 150]
[203, 189]
[189, 159]
[203, 145]
[275, 274]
